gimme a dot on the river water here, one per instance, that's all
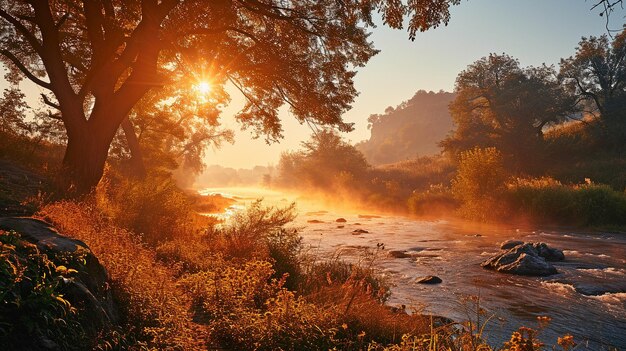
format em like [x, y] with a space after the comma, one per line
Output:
[586, 299]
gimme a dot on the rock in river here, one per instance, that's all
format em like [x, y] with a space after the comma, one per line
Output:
[359, 231]
[430, 279]
[340, 220]
[509, 244]
[398, 254]
[530, 259]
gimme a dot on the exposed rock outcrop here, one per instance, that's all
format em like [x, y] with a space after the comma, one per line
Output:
[532, 259]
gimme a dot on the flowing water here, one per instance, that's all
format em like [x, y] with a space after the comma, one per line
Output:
[586, 299]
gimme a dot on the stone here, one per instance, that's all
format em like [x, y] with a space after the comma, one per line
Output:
[529, 259]
[509, 244]
[315, 221]
[341, 220]
[359, 231]
[429, 279]
[399, 254]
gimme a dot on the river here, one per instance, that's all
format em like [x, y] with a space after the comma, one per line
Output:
[586, 299]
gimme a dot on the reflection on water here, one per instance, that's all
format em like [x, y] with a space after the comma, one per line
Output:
[587, 298]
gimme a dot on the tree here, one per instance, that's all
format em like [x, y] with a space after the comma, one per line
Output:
[12, 112]
[500, 104]
[173, 130]
[99, 58]
[596, 74]
[321, 161]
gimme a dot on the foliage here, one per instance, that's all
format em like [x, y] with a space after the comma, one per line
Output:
[248, 234]
[547, 200]
[303, 54]
[500, 104]
[596, 74]
[153, 207]
[155, 312]
[325, 156]
[13, 112]
[437, 200]
[33, 309]
[480, 183]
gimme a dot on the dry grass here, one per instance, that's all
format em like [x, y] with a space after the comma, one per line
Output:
[156, 309]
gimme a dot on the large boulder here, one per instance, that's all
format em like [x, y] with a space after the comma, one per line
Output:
[530, 259]
[89, 289]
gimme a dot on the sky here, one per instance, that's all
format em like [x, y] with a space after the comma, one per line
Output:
[534, 31]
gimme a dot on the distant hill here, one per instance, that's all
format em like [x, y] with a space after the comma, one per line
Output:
[411, 129]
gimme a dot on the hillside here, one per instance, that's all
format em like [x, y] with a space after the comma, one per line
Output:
[411, 129]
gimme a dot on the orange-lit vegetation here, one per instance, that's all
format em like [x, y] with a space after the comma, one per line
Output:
[134, 91]
[197, 291]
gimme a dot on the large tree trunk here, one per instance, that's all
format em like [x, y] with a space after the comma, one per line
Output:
[83, 163]
[138, 168]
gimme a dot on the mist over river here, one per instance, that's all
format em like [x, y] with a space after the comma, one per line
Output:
[586, 299]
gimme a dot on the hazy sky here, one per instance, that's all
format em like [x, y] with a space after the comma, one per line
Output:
[534, 31]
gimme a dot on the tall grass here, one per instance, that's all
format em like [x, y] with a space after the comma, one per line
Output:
[549, 201]
[156, 312]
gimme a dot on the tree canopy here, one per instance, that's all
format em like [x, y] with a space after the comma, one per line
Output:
[99, 58]
[596, 75]
[500, 104]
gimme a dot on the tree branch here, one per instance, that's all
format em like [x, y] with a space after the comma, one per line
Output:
[25, 70]
[22, 30]
[47, 101]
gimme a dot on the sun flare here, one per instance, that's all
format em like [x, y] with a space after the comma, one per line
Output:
[203, 87]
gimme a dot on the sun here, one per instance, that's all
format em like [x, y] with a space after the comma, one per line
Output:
[203, 87]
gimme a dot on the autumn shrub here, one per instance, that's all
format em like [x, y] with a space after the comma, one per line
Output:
[247, 233]
[154, 207]
[155, 311]
[480, 184]
[247, 309]
[33, 310]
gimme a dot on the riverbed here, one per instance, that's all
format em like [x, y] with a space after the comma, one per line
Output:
[586, 299]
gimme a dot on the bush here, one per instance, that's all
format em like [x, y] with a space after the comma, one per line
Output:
[247, 233]
[33, 311]
[480, 184]
[153, 207]
[248, 310]
[547, 200]
[437, 200]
